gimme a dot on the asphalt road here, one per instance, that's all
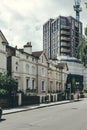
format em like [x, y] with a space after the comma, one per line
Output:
[71, 116]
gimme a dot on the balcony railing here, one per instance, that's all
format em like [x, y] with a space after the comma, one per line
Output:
[65, 50]
[31, 90]
[65, 38]
[65, 27]
[65, 32]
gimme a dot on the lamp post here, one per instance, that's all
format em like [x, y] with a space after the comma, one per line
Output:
[69, 86]
[49, 82]
[77, 85]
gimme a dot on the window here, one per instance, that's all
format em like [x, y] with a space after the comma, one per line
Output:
[63, 21]
[27, 68]
[33, 81]
[16, 63]
[16, 68]
[56, 85]
[27, 83]
[43, 71]
[33, 70]
[43, 86]
[32, 58]
[42, 59]
[27, 56]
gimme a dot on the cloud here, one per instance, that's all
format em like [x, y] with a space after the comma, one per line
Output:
[22, 20]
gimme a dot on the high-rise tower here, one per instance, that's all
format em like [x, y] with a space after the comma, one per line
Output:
[61, 36]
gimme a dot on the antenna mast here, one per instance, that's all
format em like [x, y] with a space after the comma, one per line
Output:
[77, 8]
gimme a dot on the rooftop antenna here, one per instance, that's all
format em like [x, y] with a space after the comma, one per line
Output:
[77, 8]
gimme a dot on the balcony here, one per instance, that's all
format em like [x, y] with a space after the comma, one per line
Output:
[65, 27]
[51, 91]
[65, 32]
[65, 38]
[31, 91]
[65, 44]
[63, 50]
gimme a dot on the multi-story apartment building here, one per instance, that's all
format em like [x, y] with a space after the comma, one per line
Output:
[3, 60]
[61, 36]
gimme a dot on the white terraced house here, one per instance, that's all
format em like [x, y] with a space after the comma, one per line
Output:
[22, 67]
[3, 58]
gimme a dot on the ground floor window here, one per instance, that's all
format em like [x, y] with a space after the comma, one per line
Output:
[27, 83]
[43, 85]
[33, 84]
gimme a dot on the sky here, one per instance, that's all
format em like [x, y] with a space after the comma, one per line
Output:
[21, 21]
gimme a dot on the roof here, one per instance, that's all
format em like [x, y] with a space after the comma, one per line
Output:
[3, 37]
[37, 53]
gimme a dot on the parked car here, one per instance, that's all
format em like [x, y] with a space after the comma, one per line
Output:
[0, 112]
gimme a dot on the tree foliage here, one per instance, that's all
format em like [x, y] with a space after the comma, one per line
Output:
[8, 84]
[82, 49]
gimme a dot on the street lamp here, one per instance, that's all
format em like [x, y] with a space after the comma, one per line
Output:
[77, 85]
[69, 86]
[49, 82]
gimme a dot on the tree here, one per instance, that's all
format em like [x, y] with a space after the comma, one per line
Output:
[8, 84]
[82, 49]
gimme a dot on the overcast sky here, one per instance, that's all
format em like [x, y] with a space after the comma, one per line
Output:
[22, 21]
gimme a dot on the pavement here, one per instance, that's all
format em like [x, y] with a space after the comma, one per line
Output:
[32, 107]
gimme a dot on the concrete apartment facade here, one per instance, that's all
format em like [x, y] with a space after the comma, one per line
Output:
[61, 36]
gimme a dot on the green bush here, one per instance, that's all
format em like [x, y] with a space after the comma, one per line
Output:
[85, 90]
[81, 91]
[3, 92]
[8, 83]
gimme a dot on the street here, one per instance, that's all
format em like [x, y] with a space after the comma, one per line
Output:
[71, 116]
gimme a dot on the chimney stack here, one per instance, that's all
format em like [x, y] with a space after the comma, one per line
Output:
[28, 48]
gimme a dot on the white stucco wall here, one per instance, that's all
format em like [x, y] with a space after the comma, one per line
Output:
[3, 60]
[85, 77]
[19, 71]
[3, 63]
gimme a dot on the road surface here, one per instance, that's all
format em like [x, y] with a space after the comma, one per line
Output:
[71, 116]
